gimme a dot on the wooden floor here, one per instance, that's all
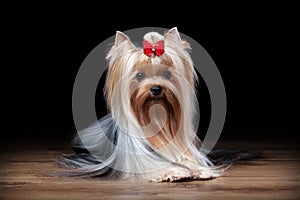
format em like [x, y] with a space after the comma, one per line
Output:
[25, 167]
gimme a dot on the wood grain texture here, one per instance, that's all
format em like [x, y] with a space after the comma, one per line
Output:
[24, 174]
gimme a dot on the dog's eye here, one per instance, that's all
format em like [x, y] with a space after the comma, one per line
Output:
[139, 76]
[167, 74]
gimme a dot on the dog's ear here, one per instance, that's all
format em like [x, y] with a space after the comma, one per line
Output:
[121, 45]
[174, 34]
[120, 38]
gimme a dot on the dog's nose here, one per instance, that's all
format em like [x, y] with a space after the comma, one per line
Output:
[156, 90]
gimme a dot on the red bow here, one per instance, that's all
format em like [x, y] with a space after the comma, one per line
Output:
[156, 48]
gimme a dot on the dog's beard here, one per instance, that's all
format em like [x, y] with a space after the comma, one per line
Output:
[159, 116]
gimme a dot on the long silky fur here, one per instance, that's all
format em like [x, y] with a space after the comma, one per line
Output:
[116, 146]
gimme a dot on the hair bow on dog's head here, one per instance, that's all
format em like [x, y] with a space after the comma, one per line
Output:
[156, 48]
[153, 44]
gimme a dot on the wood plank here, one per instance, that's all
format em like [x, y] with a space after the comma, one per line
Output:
[25, 175]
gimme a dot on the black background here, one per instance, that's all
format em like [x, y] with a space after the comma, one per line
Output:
[255, 48]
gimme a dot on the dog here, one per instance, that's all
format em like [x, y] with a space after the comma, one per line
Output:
[149, 132]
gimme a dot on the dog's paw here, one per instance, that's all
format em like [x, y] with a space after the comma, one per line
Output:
[204, 175]
[172, 178]
[199, 172]
[171, 174]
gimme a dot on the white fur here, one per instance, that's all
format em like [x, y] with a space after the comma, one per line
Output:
[153, 37]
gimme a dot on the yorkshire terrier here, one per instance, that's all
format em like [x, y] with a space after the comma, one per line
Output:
[150, 132]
